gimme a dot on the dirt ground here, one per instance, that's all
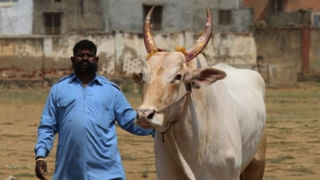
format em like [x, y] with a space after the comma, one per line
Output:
[293, 127]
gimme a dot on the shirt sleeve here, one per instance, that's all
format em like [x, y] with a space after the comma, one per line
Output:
[125, 116]
[47, 128]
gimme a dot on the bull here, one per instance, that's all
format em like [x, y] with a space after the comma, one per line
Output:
[209, 120]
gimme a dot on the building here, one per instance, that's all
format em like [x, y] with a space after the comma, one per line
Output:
[64, 16]
[57, 17]
[170, 16]
[16, 17]
[287, 35]
[116, 27]
[285, 13]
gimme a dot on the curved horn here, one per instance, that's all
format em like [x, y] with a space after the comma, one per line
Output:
[202, 41]
[149, 43]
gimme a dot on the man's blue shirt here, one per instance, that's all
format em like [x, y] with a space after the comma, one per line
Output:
[84, 118]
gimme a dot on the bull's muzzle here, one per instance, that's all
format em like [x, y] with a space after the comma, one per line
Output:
[145, 117]
[145, 114]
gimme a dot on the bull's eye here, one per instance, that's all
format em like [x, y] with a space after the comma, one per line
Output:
[178, 77]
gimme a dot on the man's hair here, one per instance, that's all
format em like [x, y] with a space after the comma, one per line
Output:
[84, 45]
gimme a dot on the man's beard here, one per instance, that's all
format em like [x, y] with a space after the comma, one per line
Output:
[90, 69]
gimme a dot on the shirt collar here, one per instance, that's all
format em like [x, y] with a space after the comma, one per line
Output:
[96, 79]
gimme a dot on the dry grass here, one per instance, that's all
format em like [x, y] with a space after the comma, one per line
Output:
[293, 135]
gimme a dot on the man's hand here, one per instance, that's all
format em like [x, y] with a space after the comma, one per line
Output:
[41, 168]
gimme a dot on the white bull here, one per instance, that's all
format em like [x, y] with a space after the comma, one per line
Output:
[209, 121]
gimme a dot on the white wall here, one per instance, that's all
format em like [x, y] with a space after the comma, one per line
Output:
[119, 53]
[16, 17]
[124, 52]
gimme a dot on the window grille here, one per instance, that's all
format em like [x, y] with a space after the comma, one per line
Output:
[156, 19]
[224, 17]
[52, 22]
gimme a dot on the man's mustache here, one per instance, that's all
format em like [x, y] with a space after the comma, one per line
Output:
[92, 67]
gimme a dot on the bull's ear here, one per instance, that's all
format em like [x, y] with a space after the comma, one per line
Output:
[137, 78]
[204, 77]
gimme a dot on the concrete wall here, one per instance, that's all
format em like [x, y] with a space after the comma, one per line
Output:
[77, 15]
[27, 16]
[289, 53]
[289, 19]
[187, 15]
[280, 51]
[229, 48]
[16, 17]
[284, 53]
[127, 15]
[279, 45]
[315, 54]
[21, 58]
[41, 57]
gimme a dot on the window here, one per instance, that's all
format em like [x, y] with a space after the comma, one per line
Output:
[52, 23]
[224, 17]
[316, 19]
[276, 5]
[156, 18]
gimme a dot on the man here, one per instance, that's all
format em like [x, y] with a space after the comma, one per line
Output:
[82, 108]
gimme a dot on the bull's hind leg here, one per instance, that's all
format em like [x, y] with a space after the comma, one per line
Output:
[255, 170]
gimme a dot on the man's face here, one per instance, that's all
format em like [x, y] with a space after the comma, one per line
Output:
[85, 61]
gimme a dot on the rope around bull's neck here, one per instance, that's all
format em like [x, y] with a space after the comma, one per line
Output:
[186, 96]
